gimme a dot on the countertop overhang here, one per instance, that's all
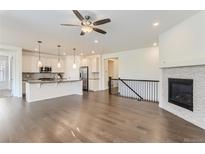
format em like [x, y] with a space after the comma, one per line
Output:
[50, 81]
[37, 90]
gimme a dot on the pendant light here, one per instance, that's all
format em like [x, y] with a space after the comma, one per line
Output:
[39, 54]
[74, 64]
[58, 64]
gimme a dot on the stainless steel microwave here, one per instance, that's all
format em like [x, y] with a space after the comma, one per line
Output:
[45, 69]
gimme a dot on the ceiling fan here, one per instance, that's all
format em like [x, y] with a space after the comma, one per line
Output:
[87, 25]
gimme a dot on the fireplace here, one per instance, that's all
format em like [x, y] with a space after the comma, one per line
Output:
[180, 92]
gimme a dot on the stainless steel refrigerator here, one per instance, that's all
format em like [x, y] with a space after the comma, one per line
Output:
[84, 72]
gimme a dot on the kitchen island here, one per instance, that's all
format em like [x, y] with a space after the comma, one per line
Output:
[37, 90]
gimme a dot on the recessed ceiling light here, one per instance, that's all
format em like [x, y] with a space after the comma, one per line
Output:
[36, 49]
[93, 52]
[155, 24]
[96, 41]
[64, 53]
[154, 44]
[81, 54]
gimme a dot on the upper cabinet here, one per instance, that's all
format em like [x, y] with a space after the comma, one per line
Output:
[53, 64]
[84, 62]
[95, 64]
[29, 63]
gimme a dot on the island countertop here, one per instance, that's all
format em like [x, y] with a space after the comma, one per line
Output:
[37, 90]
[50, 81]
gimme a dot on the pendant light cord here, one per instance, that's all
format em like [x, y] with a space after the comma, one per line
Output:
[39, 52]
[74, 54]
[59, 53]
[74, 57]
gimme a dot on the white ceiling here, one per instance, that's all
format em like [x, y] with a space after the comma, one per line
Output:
[127, 30]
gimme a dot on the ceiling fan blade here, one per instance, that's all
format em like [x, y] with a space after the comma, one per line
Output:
[100, 22]
[82, 33]
[80, 17]
[69, 25]
[99, 30]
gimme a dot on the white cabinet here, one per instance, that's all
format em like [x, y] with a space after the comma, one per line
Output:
[70, 72]
[29, 63]
[53, 64]
[93, 84]
[84, 62]
[95, 64]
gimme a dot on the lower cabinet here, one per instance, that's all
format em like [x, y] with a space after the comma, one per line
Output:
[93, 84]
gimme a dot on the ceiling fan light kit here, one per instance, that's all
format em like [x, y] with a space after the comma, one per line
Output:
[87, 29]
[87, 25]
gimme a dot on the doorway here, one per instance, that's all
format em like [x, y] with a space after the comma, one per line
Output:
[5, 76]
[111, 67]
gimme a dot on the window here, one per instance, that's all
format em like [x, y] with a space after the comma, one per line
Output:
[2, 71]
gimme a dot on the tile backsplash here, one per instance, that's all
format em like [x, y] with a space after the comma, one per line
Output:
[36, 76]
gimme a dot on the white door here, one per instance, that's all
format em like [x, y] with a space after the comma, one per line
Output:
[11, 76]
[5, 76]
[4, 72]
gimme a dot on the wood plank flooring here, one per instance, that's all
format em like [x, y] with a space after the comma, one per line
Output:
[93, 117]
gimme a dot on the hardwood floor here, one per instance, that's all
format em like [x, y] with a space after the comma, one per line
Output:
[93, 117]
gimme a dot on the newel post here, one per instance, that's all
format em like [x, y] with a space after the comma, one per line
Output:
[109, 84]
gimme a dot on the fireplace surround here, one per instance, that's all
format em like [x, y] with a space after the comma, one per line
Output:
[180, 92]
[195, 73]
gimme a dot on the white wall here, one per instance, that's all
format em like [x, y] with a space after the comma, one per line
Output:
[184, 44]
[136, 64]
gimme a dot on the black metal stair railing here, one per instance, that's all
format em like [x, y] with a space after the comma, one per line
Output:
[131, 89]
[146, 90]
